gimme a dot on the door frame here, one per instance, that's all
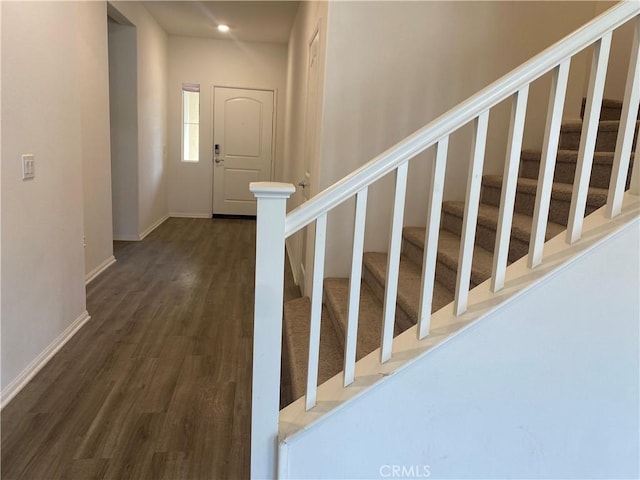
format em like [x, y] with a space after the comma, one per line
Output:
[305, 243]
[213, 127]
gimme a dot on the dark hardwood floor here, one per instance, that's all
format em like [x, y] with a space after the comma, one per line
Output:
[157, 385]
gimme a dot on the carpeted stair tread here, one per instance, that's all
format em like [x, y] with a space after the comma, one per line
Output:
[571, 130]
[297, 316]
[409, 283]
[488, 217]
[611, 109]
[603, 126]
[336, 291]
[596, 197]
[449, 253]
[569, 156]
[565, 168]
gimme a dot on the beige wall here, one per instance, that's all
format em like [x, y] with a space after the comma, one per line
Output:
[394, 66]
[152, 47]
[93, 82]
[43, 290]
[619, 56]
[210, 62]
[123, 106]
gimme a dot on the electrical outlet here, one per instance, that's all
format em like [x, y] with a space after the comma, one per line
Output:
[28, 167]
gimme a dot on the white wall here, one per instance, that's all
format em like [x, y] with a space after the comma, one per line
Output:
[540, 389]
[311, 16]
[211, 62]
[151, 105]
[42, 227]
[93, 81]
[618, 57]
[394, 66]
[123, 99]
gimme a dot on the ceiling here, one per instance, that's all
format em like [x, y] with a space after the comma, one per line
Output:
[255, 21]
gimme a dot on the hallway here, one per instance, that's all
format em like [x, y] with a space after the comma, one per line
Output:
[157, 384]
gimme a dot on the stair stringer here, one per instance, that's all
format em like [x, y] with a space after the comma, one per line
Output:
[558, 255]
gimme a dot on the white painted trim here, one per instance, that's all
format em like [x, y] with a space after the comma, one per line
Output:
[41, 360]
[99, 269]
[189, 215]
[283, 461]
[126, 238]
[153, 227]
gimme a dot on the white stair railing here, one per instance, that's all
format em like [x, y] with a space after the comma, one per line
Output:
[273, 227]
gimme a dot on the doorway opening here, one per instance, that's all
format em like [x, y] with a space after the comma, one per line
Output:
[123, 112]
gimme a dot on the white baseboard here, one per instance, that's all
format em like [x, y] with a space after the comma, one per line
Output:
[189, 215]
[99, 269]
[153, 227]
[126, 237]
[41, 360]
[137, 238]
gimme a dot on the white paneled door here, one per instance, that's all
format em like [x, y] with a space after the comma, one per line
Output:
[242, 138]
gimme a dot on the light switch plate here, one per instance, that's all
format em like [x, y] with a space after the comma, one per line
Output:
[28, 167]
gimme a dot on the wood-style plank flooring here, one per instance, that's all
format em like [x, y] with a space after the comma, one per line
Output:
[157, 385]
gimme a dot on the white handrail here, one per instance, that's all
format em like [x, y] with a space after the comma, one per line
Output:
[465, 112]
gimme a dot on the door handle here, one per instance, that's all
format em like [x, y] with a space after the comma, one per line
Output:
[216, 154]
[303, 184]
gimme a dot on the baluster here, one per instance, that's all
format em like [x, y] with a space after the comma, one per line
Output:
[267, 324]
[635, 175]
[429, 255]
[474, 184]
[627, 129]
[508, 194]
[393, 266]
[588, 137]
[316, 310]
[548, 162]
[351, 337]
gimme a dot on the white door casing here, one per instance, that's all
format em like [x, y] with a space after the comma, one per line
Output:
[310, 148]
[243, 133]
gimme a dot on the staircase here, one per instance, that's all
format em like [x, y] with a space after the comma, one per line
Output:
[436, 277]
[336, 290]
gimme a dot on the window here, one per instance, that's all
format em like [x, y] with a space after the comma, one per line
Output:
[190, 122]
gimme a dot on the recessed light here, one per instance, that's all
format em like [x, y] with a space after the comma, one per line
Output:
[223, 28]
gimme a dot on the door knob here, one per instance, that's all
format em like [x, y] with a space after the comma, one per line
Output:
[303, 184]
[216, 153]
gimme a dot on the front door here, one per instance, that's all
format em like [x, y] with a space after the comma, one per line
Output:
[242, 138]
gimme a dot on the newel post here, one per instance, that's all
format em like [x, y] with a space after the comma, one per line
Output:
[267, 325]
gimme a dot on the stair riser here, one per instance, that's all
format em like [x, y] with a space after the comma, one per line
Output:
[565, 173]
[485, 237]
[337, 326]
[525, 202]
[606, 112]
[605, 142]
[402, 318]
[412, 252]
[444, 273]
[447, 277]
[609, 113]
